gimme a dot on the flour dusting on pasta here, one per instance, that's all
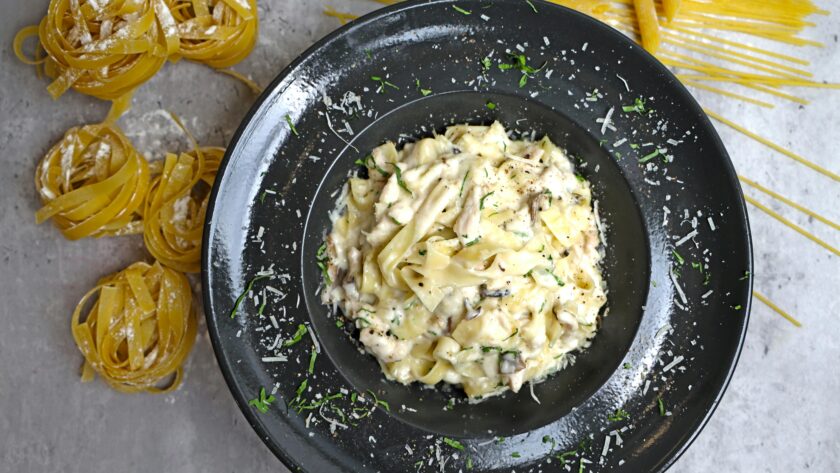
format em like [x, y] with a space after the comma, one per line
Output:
[468, 258]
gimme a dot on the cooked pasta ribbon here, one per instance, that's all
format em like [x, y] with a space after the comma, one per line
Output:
[468, 258]
[176, 205]
[92, 183]
[219, 33]
[136, 328]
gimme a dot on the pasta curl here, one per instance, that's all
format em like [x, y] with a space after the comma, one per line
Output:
[219, 33]
[176, 205]
[139, 328]
[108, 49]
[105, 49]
[92, 183]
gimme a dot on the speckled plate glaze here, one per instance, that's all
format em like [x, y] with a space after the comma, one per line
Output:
[677, 265]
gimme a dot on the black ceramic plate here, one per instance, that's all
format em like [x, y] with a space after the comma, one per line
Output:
[677, 257]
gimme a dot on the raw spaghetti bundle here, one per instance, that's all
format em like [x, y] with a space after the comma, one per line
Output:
[139, 328]
[92, 183]
[219, 33]
[176, 205]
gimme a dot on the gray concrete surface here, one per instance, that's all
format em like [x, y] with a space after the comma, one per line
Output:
[779, 415]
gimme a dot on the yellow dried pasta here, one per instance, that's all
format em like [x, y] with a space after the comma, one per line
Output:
[176, 205]
[219, 33]
[92, 183]
[105, 49]
[138, 329]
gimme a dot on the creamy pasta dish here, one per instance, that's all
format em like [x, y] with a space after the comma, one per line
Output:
[468, 258]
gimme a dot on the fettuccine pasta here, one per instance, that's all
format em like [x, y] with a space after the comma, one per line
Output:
[138, 329]
[219, 33]
[468, 258]
[92, 183]
[175, 207]
[107, 49]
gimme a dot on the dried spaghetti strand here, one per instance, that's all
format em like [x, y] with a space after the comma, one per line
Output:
[648, 24]
[219, 33]
[343, 17]
[791, 225]
[92, 183]
[255, 88]
[789, 202]
[776, 308]
[176, 205]
[727, 93]
[136, 328]
[773, 146]
[672, 8]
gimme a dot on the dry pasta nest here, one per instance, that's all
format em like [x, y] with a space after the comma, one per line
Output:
[176, 205]
[136, 327]
[92, 183]
[107, 49]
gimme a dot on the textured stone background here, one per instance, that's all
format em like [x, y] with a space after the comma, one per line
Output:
[780, 414]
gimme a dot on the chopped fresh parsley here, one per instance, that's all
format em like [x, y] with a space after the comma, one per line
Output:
[648, 157]
[461, 10]
[619, 415]
[367, 53]
[481, 201]
[369, 162]
[297, 337]
[738, 307]
[471, 243]
[678, 257]
[490, 105]
[423, 91]
[379, 402]
[422, 252]
[322, 259]
[291, 125]
[549, 439]
[627, 366]
[262, 196]
[580, 177]
[520, 63]
[638, 106]
[339, 323]
[453, 443]
[515, 455]
[515, 331]
[556, 278]
[745, 276]
[469, 463]
[262, 306]
[486, 64]
[382, 84]
[661, 406]
[262, 402]
[565, 455]
[400, 181]
[312, 355]
[463, 183]
[248, 288]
